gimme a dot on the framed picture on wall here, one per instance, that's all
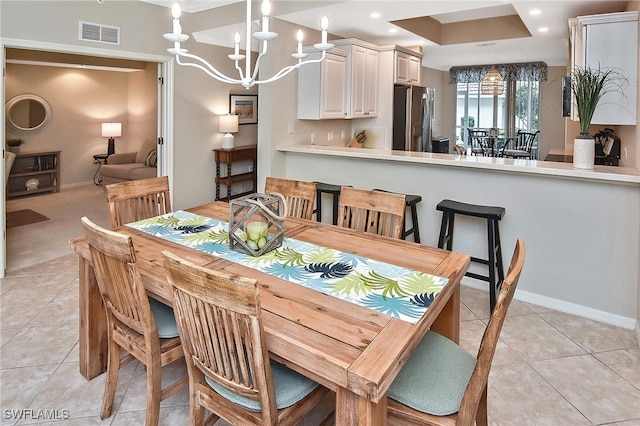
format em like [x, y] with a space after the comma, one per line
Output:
[246, 107]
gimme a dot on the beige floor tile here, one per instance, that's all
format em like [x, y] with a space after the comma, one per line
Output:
[39, 345]
[593, 388]
[466, 314]
[593, 336]
[625, 362]
[477, 301]
[135, 397]
[67, 389]
[534, 339]
[63, 309]
[6, 335]
[518, 396]
[26, 299]
[19, 386]
[470, 337]
[169, 416]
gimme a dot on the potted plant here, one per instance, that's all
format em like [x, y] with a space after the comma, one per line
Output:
[14, 145]
[588, 86]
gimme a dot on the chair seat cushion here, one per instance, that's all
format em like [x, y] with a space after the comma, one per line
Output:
[165, 319]
[290, 388]
[435, 376]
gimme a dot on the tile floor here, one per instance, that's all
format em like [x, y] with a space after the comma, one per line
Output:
[550, 368]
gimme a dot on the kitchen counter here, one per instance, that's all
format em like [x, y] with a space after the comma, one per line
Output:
[581, 227]
[549, 168]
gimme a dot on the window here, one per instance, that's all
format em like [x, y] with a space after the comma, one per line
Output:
[518, 108]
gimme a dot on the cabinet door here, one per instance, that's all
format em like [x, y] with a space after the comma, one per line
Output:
[358, 78]
[333, 83]
[322, 88]
[364, 82]
[615, 45]
[371, 84]
[415, 66]
[402, 68]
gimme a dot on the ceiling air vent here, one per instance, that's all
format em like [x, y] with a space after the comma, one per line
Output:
[99, 33]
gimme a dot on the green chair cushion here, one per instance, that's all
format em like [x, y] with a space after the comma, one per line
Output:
[165, 319]
[290, 388]
[435, 377]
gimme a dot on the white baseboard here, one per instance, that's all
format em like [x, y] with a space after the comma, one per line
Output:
[566, 307]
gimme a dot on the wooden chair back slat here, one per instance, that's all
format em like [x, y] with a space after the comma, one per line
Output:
[136, 200]
[220, 323]
[377, 212]
[299, 195]
[115, 269]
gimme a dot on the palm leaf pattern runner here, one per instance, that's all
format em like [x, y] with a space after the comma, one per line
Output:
[389, 289]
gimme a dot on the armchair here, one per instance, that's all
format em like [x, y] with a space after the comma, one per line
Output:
[127, 166]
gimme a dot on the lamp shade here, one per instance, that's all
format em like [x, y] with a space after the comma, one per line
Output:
[228, 123]
[111, 130]
[492, 83]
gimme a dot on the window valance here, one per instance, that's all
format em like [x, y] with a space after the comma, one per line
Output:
[529, 71]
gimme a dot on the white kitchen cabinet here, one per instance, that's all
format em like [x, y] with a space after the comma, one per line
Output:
[408, 68]
[322, 87]
[363, 87]
[609, 41]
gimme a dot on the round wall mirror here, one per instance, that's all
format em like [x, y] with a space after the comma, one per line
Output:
[27, 113]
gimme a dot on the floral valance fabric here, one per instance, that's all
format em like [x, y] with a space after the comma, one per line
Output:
[530, 71]
[390, 289]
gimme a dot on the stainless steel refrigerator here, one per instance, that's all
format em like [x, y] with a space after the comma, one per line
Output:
[413, 118]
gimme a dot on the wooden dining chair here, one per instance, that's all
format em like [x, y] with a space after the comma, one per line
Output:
[230, 374]
[372, 211]
[143, 327]
[441, 383]
[299, 195]
[137, 200]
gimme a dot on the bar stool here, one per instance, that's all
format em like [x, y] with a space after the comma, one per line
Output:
[449, 209]
[411, 203]
[334, 191]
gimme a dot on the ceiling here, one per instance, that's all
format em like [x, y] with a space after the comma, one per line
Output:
[450, 33]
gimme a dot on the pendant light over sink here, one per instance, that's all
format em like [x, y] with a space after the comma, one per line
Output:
[247, 78]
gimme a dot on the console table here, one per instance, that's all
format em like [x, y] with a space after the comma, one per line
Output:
[41, 165]
[234, 155]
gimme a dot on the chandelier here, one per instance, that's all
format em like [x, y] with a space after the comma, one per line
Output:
[248, 77]
[492, 83]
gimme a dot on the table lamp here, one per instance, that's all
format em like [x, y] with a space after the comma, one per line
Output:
[228, 125]
[111, 131]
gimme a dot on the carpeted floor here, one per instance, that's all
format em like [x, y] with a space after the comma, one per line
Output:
[24, 217]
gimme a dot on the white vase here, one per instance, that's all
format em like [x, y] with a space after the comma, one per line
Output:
[583, 151]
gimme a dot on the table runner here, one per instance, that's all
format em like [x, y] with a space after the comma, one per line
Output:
[389, 289]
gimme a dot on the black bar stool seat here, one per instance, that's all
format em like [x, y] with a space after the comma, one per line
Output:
[334, 191]
[411, 203]
[493, 215]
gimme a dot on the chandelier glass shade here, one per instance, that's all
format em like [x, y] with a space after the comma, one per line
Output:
[247, 77]
[492, 83]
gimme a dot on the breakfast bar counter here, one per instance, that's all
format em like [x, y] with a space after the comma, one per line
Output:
[582, 227]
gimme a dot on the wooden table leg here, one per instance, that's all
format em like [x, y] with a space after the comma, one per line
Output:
[448, 322]
[93, 323]
[352, 409]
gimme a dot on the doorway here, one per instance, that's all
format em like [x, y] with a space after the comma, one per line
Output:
[163, 120]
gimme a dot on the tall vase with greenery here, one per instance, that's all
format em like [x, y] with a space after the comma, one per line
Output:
[589, 85]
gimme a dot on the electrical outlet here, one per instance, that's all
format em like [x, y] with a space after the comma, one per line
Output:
[330, 136]
[290, 128]
[313, 138]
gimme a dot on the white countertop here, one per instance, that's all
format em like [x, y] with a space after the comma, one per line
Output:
[548, 168]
